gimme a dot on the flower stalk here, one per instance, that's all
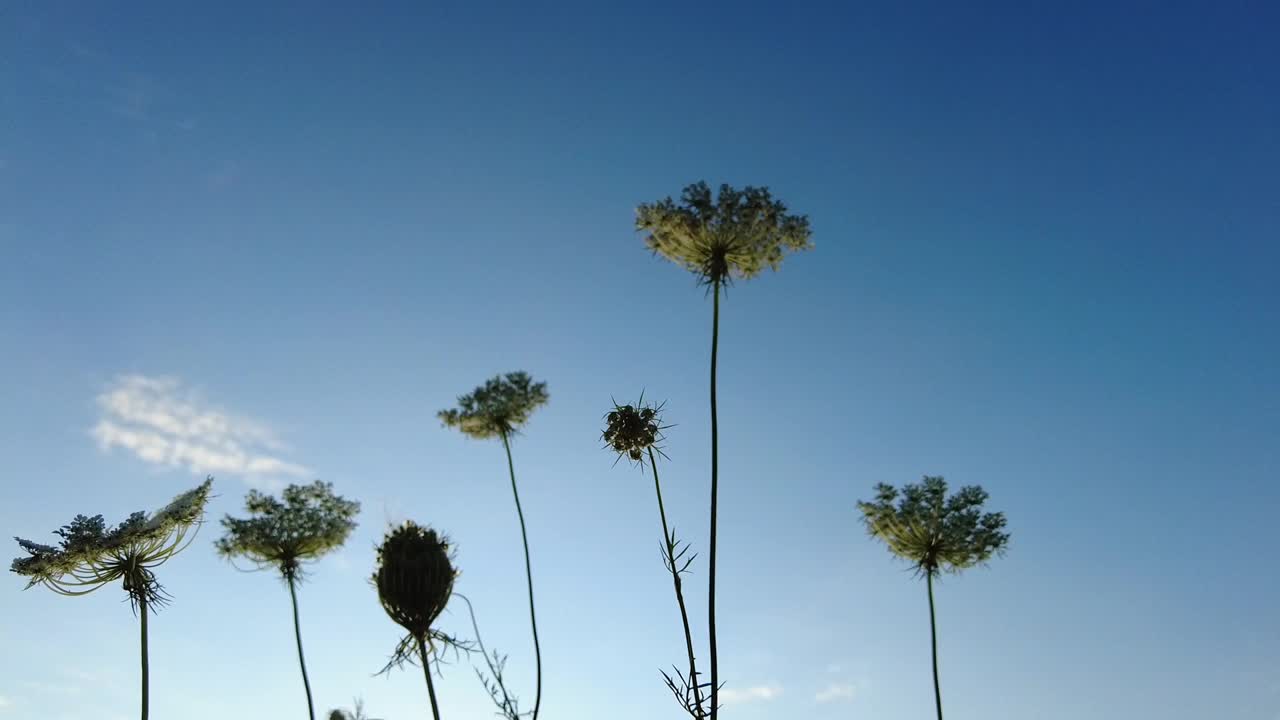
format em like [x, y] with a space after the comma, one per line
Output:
[90, 557]
[735, 235]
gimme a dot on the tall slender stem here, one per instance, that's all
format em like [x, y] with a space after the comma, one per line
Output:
[675, 579]
[933, 633]
[297, 633]
[528, 572]
[146, 671]
[426, 670]
[715, 475]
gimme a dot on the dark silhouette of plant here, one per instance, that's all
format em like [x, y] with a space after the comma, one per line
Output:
[414, 578]
[356, 713]
[635, 432]
[498, 409]
[935, 533]
[281, 536]
[735, 235]
[91, 556]
[508, 704]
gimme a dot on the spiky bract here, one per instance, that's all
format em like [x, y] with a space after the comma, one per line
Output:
[414, 577]
[497, 408]
[90, 556]
[934, 532]
[736, 234]
[310, 522]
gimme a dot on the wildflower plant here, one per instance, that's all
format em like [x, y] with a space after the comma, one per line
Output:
[494, 683]
[635, 432]
[282, 535]
[935, 533]
[734, 235]
[91, 556]
[414, 577]
[499, 408]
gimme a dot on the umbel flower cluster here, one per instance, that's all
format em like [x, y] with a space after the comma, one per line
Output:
[735, 234]
[498, 407]
[310, 522]
[90, 556]
[933, 531]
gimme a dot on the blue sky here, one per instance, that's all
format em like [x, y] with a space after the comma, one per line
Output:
[1045, 263]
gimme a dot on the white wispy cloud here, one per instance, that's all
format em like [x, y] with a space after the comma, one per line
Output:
[835, 691]
[164, 423]
[755, 693]
[4, 702]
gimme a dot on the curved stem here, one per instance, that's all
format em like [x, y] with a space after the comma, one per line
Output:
[146, 671]
[505, 703]
[302, 662]
[933, 633]
[426, 670]
[669, 543]
[715, 469]
[528, 573]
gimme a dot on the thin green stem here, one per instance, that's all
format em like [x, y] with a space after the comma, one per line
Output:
[146, 670]
[528, 572]
[426, 670]
[933, 633]
[297, 633]
[715, 476]
[675, 579]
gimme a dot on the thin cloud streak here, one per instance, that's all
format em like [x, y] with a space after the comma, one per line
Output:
[758, 693]
[163, 423]
[836, 691]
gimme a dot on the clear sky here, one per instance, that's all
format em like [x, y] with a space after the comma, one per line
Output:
[1046, 262]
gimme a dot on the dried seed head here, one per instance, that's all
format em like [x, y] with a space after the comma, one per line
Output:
[631, 430]
[414, 577]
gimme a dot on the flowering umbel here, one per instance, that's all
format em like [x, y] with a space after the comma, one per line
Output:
[91, 556]
[736, 234]
[310, 522]
[932, 531]
[497, 408]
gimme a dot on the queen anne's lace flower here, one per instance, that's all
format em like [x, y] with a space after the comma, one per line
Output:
[310, 522]
[736, 234]
[91, 556]
[497, 408]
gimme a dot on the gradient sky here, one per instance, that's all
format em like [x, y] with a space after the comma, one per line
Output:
[1046, 262]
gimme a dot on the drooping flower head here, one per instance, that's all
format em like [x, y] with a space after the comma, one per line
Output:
[631, 430]
[497, 408]
[414, 577]
[934, 532]
[736, 234]
[310, 522]
[90, 556]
